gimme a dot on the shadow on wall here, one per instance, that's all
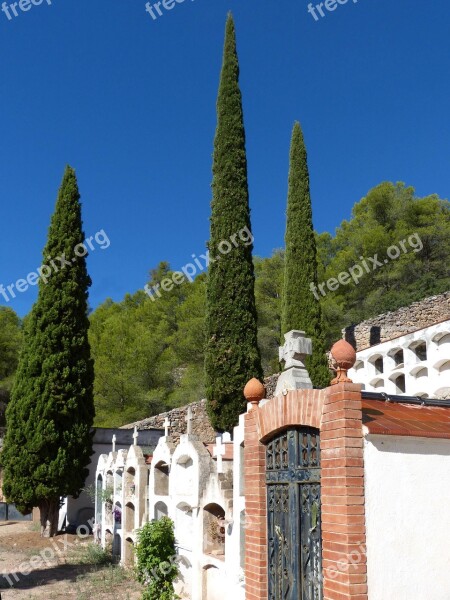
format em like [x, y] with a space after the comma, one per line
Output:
[374, 336]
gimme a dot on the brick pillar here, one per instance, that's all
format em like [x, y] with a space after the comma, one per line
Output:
[255, 511]
[343, 508]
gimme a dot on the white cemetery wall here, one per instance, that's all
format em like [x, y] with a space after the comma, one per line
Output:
[236, 554]
[81, 509]
[407, 488]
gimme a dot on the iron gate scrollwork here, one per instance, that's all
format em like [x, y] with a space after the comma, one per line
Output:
[294, 515]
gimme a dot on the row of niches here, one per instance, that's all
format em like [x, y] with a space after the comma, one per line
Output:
[215, 527]
[417, 352]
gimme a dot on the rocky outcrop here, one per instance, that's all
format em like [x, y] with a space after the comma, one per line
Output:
[201, 425]
[408, 319]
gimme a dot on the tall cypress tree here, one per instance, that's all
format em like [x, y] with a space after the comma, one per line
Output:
[300, 309]
[232, 356]
[48, 441]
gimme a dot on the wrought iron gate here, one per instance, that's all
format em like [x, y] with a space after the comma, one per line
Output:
[293, 509]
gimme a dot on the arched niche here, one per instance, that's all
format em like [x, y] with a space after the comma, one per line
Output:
[98, 498]
[377, 383]
[109, 537]
[419, 372]
[377, 361]
[213, 583]
[128, 517]
[400, 385]
[110, 482]
[419, 348]
[128, 558]
[184, 524]
[117, 515]
[161, 475]
[214, 530]
[444, 367]
[118, 481]
[117, 547]
[442, 339]
[160, 511]
[398, 357]
[130, 481]
[184, 478]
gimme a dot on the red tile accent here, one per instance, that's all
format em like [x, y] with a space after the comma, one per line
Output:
[389, 418]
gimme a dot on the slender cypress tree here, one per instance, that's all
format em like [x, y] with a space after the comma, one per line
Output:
[232, 356]
[48, 441]
[300, 309]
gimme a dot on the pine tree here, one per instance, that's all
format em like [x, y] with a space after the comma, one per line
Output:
[232, 356]
[48, 441]
[300, 309]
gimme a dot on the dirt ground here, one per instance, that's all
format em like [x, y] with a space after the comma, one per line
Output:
[32, 568]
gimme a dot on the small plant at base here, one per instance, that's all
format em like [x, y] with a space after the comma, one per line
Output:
[90, 554]
[156, 559]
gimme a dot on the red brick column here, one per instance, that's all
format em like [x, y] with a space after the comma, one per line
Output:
[336, 411]
[255, 511]
[343, 507]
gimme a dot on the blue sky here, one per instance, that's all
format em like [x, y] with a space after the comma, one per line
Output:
[129, 102]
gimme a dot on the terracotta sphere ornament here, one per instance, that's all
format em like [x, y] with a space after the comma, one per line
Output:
[344, 357]
[254, 392]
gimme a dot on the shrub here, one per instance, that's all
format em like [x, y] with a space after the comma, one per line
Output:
[157, 559]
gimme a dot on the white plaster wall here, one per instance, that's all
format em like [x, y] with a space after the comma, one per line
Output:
[407, 517]
[435, 383]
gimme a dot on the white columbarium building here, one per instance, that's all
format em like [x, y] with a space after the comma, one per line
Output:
[200, 487]
[405, 352]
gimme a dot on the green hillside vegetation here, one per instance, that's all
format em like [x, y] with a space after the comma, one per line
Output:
[10, 342]
[149, 355]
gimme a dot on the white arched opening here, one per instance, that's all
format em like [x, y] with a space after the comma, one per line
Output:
[184, 524]
[161, 474]
[214, 530]
[160, 510]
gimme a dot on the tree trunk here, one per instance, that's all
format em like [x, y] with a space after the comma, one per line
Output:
[49, 513]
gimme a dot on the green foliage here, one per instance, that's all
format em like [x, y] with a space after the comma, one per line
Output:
[148, 353]
[232, 356]
[300, 309]
[389, 214]
[269, 273]
[48, 442]
[10, 343]
[105, 495]
[157, 559]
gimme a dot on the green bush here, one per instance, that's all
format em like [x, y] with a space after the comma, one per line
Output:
[157, 566]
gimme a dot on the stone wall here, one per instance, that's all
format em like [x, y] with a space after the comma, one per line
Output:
[400, 322]
[201, 425]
